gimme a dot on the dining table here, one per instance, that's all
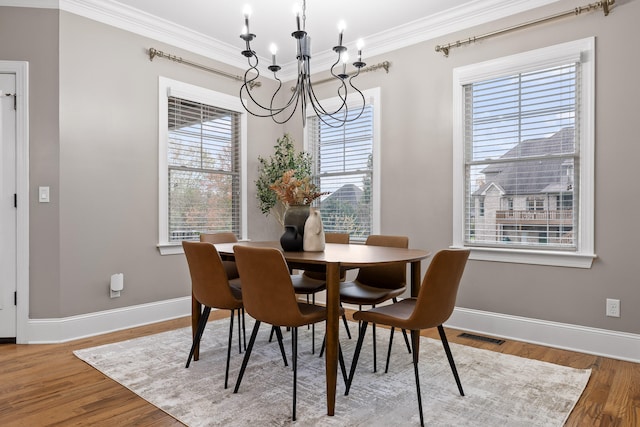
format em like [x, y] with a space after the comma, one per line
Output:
[332, 259]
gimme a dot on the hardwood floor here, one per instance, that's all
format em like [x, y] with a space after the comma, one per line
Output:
[46, 385]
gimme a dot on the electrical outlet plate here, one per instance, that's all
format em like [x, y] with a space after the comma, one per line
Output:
[613, 307]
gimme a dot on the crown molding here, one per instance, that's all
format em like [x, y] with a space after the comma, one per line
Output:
[126, 18]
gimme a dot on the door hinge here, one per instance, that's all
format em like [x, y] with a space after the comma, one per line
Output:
[15, 298]
[15, 99]
[15, 200]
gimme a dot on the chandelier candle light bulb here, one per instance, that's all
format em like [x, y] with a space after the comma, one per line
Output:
[303, 93]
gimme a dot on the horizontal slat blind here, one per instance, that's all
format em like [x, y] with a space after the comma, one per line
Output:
[343, 159]
[521, 157]
[204, 176]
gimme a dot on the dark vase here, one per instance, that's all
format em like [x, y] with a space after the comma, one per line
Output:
[294, 218]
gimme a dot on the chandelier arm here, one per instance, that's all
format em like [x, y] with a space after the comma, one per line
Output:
[364, 101]
[269, 111]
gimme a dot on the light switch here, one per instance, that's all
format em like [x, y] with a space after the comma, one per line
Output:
[43, 194]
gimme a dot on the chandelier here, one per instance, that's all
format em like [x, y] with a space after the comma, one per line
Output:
[303, 92]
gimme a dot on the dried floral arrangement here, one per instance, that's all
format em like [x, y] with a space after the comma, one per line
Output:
[295, 191]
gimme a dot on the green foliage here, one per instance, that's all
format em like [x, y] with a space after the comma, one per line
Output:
[285, 158]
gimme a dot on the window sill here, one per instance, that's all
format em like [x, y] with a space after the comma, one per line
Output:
[519, 256]
[170, 248]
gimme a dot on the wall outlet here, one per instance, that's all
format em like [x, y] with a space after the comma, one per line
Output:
[613, 307]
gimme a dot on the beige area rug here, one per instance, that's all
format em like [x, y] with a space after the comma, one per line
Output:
[500, 390]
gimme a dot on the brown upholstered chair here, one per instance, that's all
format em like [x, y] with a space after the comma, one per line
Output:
[375, 285]
[312, 282]
[269, 297]
[231, 270]
[210, 287]
[430, 309]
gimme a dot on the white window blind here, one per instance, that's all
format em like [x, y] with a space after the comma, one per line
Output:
[203, 162]
[343, 166]
[522, 157]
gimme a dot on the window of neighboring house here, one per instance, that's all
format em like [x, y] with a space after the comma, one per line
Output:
[535, 203]
[481, 201]
[524, 124]
[202, 141]
[346, 164]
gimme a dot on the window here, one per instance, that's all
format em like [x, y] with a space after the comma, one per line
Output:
[202, 164]
[346, 165]
[523, 139]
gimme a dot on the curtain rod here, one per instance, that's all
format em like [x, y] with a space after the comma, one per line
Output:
[604, 5]
[160, 54]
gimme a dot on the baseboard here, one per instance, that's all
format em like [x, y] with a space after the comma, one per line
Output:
[601, 342]
[45, 331]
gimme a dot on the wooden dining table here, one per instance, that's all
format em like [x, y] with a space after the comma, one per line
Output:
[334, 258]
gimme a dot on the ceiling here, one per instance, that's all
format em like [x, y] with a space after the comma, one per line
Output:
[212, 27]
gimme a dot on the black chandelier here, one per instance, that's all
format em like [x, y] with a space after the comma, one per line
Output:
[303, 92]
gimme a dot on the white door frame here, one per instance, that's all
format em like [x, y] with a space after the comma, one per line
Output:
[21, 70]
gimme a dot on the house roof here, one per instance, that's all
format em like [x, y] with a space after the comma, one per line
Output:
[538, 176]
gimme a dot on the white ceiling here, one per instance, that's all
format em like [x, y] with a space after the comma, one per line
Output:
[212, 27]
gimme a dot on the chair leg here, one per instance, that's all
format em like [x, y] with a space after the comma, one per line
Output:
[375, 358]
[239, 332]
[279, 335]
[324, 342]
[346, 324]
[313, 328]
[386, 368]
[445, 344]
[273, 329]
[247, 353]
[294, 357]
[342, 365]
[199, 330]
[226, 371]
[416, 372]
[356, 354]
[244, 331]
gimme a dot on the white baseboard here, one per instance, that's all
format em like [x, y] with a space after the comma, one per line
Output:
[45, 331]
[601, 342]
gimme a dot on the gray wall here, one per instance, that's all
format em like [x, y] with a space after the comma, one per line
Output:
[103, 218]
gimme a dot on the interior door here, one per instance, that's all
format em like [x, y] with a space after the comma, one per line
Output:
[8, 212]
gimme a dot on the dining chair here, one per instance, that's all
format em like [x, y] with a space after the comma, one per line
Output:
[311, 282]
[210, 287]
[377, 284]
[269, 297]
[231, 270]
[431, 308]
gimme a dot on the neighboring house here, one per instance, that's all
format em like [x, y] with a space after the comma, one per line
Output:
[344, 209]
[528, 201]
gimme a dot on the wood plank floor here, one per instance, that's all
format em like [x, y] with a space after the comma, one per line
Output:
[46, 385]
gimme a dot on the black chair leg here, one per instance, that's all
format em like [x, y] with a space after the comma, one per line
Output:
[324, 342]
[239, 331]
[342, 365]
[445, 344]
[356, 355]
[416, 372]
[244, 331]
[294, 357]
[346, 324]
[386, 368]
[375, 359]
[199, 330]
[313, 327]
[226, 371]
[247, 353]
[279, 335]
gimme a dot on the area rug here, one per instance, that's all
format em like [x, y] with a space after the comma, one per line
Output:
[500, 389]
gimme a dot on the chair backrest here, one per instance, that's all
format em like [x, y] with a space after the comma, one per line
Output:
[388, 276]
[209, 282]
[224, 237]
[267, 290]
[342, 238]
[437, 296]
